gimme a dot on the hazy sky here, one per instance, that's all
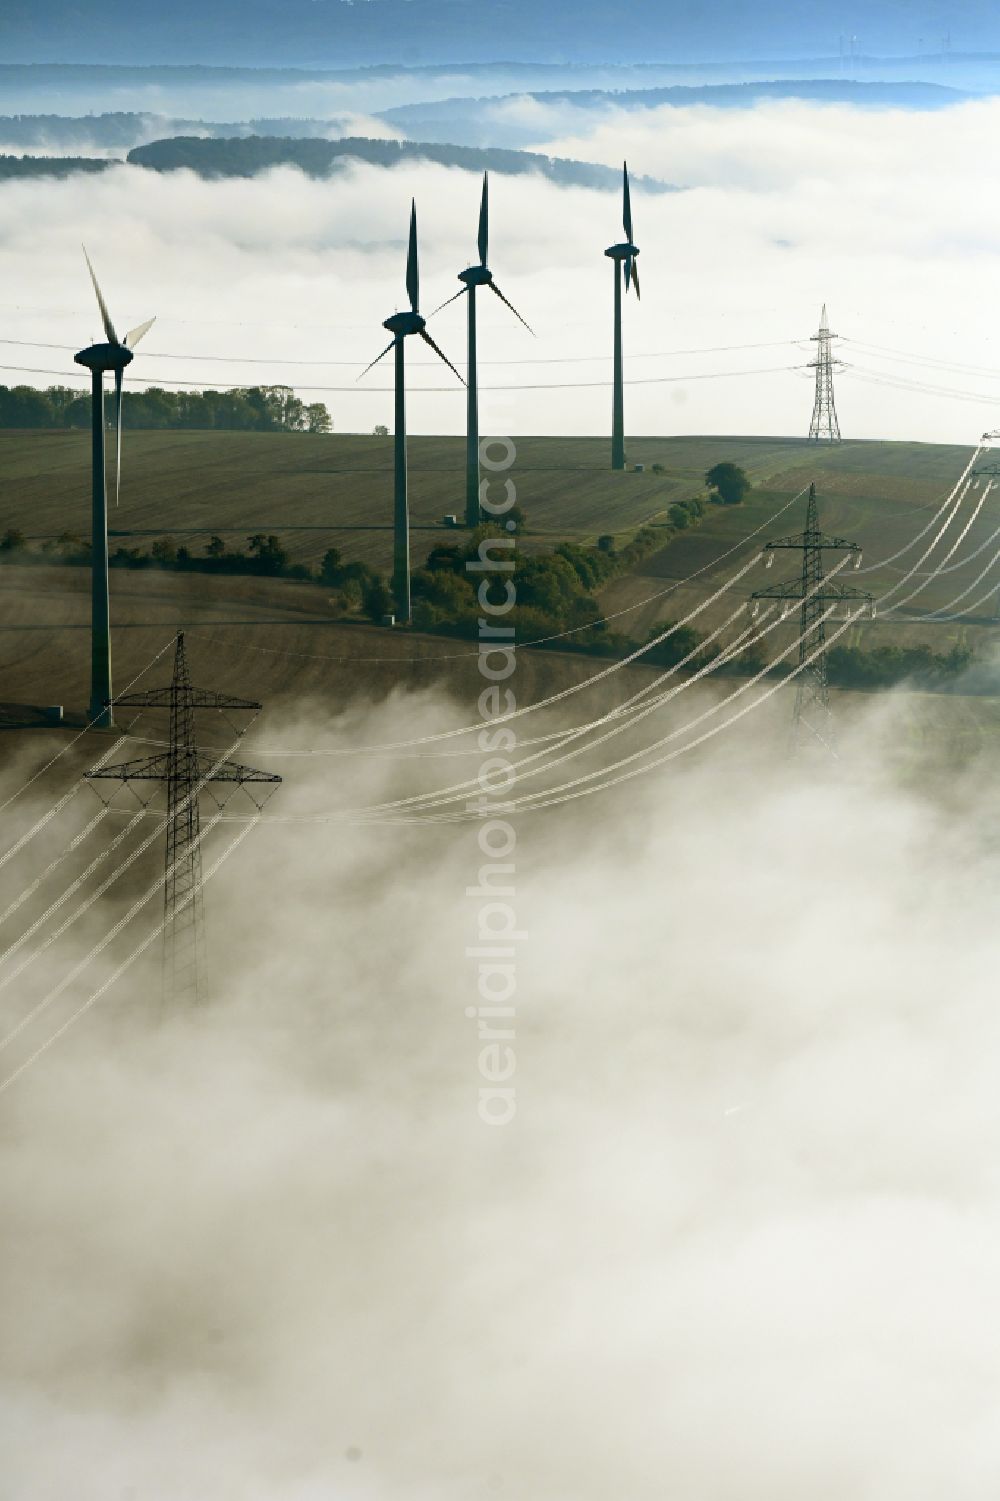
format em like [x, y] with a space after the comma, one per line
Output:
[880, 214]
[311, 33]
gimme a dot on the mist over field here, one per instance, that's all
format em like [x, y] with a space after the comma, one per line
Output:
[783, 207]
[727, 1227]
[739, 1234]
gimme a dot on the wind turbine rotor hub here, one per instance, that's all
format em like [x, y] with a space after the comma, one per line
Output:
[622, 252]
[104, 357]
[476, 276]
[402, 324]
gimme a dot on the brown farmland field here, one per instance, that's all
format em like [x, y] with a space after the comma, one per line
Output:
[278, 639]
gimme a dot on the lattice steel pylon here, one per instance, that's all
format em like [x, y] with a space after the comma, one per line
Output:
[824, 427]
[814, 595]
[186, 772]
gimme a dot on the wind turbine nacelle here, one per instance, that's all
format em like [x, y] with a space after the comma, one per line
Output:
[476, 276]
[622, 252]
[104, 357]
[402, 324]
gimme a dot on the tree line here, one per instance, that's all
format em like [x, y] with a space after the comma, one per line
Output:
[555, 595]
[256, 409]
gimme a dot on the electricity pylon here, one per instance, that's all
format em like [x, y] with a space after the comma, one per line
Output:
[186, 772]
[824, 427]
[815, 596]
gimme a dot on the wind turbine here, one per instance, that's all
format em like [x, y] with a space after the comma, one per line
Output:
[98, 358]
[625, 271]
[401, 325]
[477, 276]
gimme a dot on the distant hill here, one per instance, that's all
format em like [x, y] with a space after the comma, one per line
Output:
[49, 166]
[246, 156]
[120, 130]
[475, 120]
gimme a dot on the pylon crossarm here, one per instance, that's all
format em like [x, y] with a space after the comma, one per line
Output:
[197, 698]
[812, 539]
[207, 770]
[148, 769]
[792, 590]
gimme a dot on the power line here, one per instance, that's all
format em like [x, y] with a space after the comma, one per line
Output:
[58, 755]
[882, 351]
[580, 359]
[359, 390]
[125, 964]
[922, 388]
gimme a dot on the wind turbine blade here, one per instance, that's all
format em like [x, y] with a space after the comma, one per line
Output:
[635, 278]
[375, 361]
[135, 334]
[412, 265]
[484, 222]
[627, 268]
[460, 293]
[118, 429]
[109, 327]
[626, 204]
[494, 288]
[439, 352]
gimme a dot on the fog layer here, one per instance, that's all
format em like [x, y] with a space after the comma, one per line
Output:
[738, 1241]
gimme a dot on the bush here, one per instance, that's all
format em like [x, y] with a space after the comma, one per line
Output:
[851, 667]
[730, 483]
[330, 569]
[377, 599]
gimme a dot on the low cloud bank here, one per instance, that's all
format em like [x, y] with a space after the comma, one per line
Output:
[787, 206]
[738, 1239]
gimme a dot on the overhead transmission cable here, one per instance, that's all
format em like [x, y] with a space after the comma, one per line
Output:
[521, 645]
[60, 753]
[459, 792]
[578, 385]
[901, 551]
[715, 729]
[53, 865]
[126, 964]
[624, 717]
[514, 807]
[912, 572]
[940, 615]
[570, 359]
[930, 577]
[969, 557]
[575, 687]
[104, 886]
[544, 703]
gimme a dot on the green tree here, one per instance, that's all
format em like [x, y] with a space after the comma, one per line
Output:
[377, 599]
[380, 430]
[729, 481]
[330, 572]
[13, 540]
[271, 557]
[317, 418]
[215, 547]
